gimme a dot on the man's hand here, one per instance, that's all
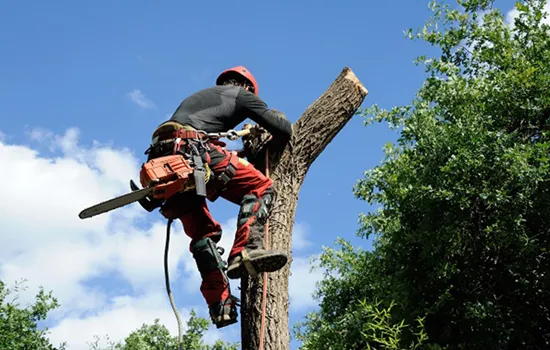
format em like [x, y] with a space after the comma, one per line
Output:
[255, 130]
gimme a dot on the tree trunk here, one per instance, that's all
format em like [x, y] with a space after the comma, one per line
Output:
[312, 133]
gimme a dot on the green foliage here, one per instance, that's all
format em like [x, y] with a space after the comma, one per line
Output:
[19, 328]
[18, 324]
[383, 332]
[351, 317]
[157, 337]
[461, 227]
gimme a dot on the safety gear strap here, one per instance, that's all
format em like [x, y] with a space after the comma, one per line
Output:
[258, 207]
[173, 130]
[230, 170]
[247, 264]
[226, 307]
[225, 176]
[172, 134]
[208, 258]
[199, 172]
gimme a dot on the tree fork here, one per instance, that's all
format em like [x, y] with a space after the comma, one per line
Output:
[315, 129]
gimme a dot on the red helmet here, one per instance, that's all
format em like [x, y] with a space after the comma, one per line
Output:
[243, 72]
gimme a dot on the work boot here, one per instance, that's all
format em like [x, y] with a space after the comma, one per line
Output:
[259, 260]
[224, 313]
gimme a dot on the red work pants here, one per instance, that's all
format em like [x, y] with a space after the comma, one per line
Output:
[198, 223]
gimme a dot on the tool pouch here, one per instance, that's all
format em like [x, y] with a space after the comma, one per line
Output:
[200, 184]
[199, 174]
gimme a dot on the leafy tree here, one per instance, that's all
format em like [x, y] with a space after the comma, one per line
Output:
[19, 328]
[157, 337]
[354, 313]
[461, 226]
[18, 324]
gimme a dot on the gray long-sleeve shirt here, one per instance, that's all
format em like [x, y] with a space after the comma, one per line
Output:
[221, 108]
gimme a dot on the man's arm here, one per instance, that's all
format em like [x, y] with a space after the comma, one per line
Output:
[253, 107]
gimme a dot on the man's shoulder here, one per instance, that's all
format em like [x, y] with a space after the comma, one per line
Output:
[220, 89]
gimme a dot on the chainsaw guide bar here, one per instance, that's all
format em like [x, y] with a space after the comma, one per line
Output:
[115, 203]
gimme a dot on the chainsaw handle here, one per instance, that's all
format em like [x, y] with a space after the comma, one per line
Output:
[146, 203]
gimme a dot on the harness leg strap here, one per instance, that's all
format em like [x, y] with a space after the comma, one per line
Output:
[226, 176]
[208, 258]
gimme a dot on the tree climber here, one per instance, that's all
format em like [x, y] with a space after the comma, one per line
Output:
[218, 109]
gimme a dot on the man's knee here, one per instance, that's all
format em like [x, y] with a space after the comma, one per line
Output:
[208, 257]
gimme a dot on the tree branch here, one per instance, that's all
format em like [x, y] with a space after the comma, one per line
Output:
[322, 121]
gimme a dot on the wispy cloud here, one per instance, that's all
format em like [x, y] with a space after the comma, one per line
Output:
[299, 236]
[140, 99]
[303, 283]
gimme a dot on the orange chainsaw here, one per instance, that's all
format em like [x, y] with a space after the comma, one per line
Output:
[161, 178]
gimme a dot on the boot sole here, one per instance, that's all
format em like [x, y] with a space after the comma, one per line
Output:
[224, 321]
[264, 263]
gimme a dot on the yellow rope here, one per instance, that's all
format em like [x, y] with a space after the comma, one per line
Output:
[206, 178]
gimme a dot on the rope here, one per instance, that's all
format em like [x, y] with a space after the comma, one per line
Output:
[167, 281]
[266, 243]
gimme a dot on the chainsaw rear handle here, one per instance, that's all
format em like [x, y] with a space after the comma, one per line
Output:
[146, 203]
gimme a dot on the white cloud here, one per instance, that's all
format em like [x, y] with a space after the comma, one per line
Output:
[302, 284]
[125, 315]
[46, 194]
[40, 135]
[44, 241]
[137, 97]
[299, 237]
[511, 16]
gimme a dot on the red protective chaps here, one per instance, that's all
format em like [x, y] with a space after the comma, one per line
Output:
[198, 223]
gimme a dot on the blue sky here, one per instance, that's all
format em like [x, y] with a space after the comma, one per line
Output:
[115, 70]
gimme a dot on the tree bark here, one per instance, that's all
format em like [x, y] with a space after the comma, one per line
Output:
[315, 129]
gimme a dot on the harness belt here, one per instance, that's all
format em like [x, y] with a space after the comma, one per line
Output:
[171, 136]
[173, 130]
